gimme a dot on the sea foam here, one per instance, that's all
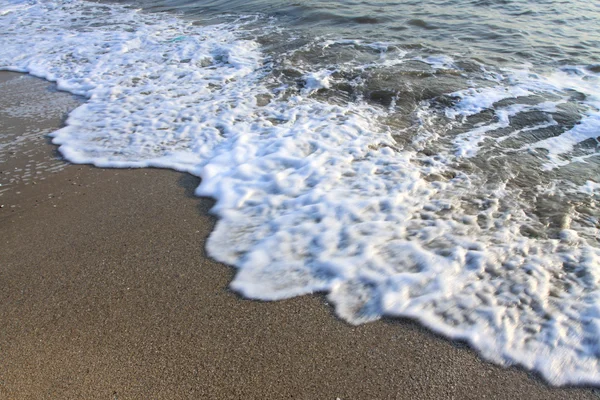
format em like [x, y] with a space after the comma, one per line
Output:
[313, 196]
[559, 86]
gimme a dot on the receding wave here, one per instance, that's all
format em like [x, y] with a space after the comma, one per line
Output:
[400, 182]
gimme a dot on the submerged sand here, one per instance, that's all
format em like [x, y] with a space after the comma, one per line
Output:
[107, 292]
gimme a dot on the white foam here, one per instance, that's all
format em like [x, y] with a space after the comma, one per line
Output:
[586, 83]
[313, 196]
[379, 46]
[590, 188]
[439, 61]
[317, 80]
[9, 6]
[467, 144]
[588, 128]
[475, 100]
[522, 83]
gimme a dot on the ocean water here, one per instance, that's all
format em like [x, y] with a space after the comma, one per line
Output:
[437, 160]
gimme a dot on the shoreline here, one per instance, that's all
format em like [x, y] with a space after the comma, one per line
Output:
[107, 292]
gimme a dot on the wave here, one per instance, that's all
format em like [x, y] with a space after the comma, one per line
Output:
[317, 193]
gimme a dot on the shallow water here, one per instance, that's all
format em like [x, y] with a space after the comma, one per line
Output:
[437, 161]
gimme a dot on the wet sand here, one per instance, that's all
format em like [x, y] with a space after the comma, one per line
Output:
[107, 293]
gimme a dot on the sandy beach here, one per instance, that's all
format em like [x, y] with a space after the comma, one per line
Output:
[107, 293]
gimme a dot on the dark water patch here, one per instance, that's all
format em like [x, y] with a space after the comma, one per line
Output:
[538, 135]
[594, 68]
[367, 20]
[419, 23]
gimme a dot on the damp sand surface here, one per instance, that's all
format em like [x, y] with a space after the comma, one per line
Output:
[107, 293]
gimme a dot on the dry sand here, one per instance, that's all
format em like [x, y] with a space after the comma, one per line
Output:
[107, 293]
